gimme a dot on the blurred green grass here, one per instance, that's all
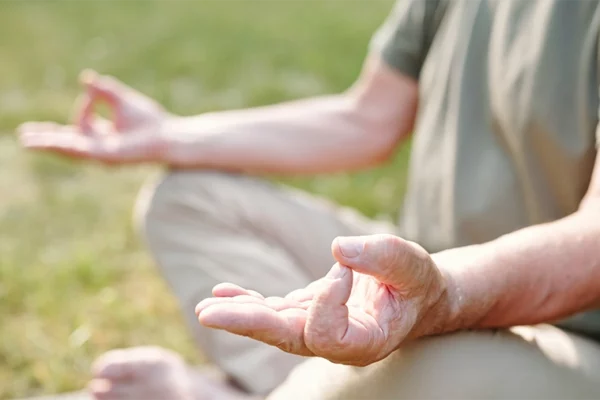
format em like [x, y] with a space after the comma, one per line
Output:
[74, 281]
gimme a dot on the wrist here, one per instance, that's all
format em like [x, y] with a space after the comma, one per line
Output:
[442, 313]
[167, 128]
[468, 298]
[449, 309]
[180, 137]
[451, 312]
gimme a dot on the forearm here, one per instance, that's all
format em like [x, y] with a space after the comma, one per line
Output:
[326, 134]
[538, 274]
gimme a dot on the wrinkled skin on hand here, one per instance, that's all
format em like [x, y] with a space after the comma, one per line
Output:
[133, 135]
[382, 291]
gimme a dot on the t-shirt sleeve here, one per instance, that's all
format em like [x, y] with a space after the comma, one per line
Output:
[404, 38]
[598, 71]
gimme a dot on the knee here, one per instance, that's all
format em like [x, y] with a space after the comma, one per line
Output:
[491, 364]
[445, 367]
[156, 199]
[178, 198]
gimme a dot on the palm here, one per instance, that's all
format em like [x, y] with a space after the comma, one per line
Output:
[382, 290]
[373, 311]
[363, 316]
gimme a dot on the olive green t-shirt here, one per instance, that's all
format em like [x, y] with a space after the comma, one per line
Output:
[506, 129]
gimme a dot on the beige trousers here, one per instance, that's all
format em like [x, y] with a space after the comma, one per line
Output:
[203, 228]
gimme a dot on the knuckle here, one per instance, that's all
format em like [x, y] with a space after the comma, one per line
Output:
[287, 346]
[390, 251]
[395, 251]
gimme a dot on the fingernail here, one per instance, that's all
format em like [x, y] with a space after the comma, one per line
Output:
[351, 246]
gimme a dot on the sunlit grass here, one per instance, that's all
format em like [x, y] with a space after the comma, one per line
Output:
[74, 281]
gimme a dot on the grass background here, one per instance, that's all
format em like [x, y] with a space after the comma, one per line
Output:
[74, 281]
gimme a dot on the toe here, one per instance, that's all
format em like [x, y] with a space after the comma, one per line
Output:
[113, 365]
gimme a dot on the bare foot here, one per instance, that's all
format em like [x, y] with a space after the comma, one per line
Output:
[154, 373]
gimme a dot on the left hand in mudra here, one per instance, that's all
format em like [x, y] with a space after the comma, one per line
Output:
[382, 291]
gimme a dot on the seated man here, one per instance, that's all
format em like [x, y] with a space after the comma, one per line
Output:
[503, 99]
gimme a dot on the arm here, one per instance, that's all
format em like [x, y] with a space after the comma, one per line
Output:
[537, 274]
[359, 128]
[356, 129]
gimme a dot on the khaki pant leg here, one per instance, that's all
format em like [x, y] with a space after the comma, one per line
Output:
[203, 228]
[524, 363]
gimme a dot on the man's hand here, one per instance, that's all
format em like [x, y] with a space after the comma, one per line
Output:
[382, 291]
[133, 135]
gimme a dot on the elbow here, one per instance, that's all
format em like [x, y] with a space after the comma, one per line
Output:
[384, 136]
[375, 142]
[377, 139]
[384, 146]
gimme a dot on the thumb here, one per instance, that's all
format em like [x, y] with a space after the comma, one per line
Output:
[392, 260]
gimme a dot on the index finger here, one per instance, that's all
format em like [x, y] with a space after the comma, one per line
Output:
[83, 113]
[283, 329]
[96, 89]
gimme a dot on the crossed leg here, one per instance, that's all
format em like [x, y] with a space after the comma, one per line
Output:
[204, 228]
[539, 362]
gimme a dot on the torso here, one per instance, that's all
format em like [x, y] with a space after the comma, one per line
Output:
[505, 136]
[506, 131]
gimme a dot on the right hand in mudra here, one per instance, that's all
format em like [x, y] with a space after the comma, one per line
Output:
[135, 133]
[382, 291]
